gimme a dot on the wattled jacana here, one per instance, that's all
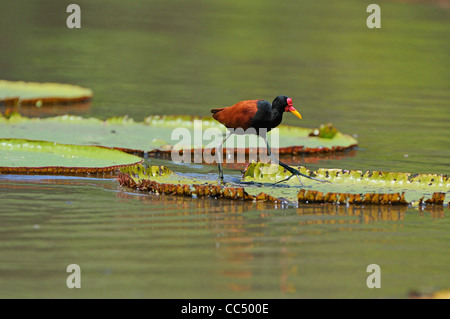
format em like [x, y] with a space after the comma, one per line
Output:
[256, 114]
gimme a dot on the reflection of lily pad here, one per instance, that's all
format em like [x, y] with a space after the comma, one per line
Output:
[347, 187]
[41, 94]
[37, 157]
[152, 134]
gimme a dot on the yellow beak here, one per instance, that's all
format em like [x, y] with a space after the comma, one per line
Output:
[294, 111]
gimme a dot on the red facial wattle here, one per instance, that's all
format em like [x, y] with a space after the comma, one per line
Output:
[290, 108]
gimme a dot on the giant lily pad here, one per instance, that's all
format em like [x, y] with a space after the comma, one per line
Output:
[346, 187]
[161, 180]
[19, 156]
[356, 186]
[162, 134]
[41, 94]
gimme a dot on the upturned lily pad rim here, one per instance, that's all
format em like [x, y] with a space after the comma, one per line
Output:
[354, 186]
[132, 177]
[42, 93]
[69, 170]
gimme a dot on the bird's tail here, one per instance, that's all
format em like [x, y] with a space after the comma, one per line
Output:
[215, 111]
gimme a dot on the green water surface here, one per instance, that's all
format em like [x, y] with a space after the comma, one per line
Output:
[389, 87]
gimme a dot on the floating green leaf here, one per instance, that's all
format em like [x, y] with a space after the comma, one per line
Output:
[161, 180]
[19, 156]
[155, 134]
[346, 187]
[325, 131]
[41, 94]
[356, 186]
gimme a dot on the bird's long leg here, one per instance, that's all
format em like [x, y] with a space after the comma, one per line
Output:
[293, 171]
[219, 156]
[275, 160]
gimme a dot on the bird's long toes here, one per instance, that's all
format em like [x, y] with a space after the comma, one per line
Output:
[293, 171]
[299, 180]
